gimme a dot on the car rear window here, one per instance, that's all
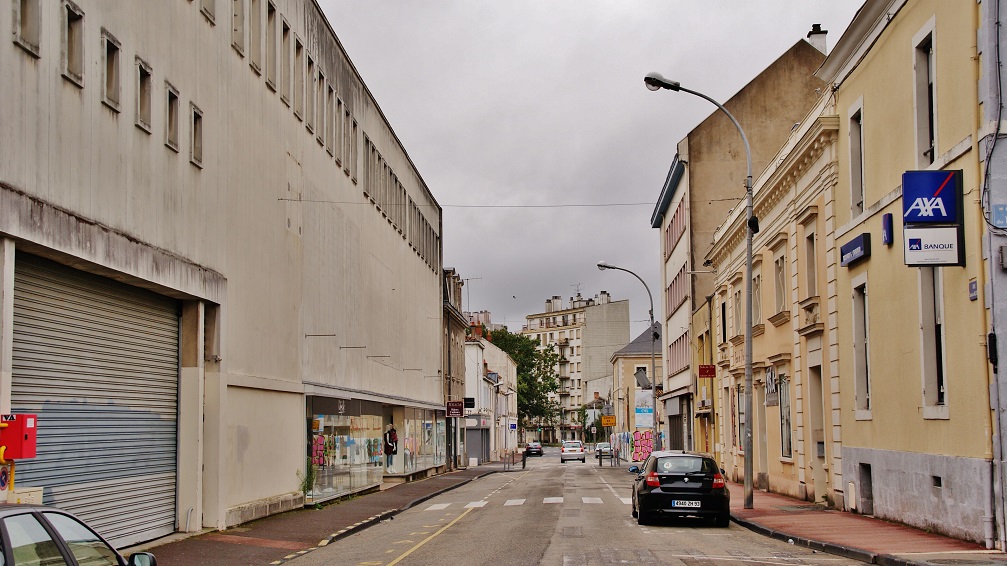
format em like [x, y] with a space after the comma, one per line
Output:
[678, 464]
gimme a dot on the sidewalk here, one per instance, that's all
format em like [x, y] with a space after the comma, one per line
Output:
[278, 538]
[863, 538]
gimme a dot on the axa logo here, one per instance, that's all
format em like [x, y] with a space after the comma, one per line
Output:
[927, 206]
[915, 244]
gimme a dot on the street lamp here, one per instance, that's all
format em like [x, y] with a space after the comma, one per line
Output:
[653, 373]
[655, 81]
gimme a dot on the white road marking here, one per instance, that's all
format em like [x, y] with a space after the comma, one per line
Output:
[475, 504]
[627, 500]
[438, 506]
[514, 502]
[553, 500]
[591, 499]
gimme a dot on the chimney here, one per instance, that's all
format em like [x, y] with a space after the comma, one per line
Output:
[816, 37]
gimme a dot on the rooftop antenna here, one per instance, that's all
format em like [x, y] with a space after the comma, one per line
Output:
[468, 292]
[576, 287]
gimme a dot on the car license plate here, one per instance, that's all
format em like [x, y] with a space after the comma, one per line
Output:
[681, 503]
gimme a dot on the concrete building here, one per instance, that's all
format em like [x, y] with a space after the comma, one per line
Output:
[219, 269]
[584, 333]
[706, 180]
[797, 443]
[914, 378]
[627, 362]
[455, 327]
[992, 50]
[491, 385]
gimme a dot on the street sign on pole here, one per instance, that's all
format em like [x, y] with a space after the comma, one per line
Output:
[608, 420]
[455, 409]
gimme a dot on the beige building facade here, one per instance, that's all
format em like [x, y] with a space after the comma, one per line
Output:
[912, 360]
[220, 269]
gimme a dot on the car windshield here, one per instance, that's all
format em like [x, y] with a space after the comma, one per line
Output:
[673, 464]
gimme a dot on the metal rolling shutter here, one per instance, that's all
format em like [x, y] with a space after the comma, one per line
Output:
[97, 360]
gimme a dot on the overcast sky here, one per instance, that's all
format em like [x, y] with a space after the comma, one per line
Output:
[531, 125]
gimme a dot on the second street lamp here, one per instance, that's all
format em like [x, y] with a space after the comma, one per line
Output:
[655, 81]
[653, 336]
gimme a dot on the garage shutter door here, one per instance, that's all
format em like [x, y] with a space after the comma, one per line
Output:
[98, 362]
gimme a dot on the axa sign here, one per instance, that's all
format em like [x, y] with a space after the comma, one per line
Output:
[931, 197]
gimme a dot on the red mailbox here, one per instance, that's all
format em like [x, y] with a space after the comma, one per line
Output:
[18, 436]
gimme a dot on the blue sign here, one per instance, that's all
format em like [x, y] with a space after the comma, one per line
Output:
[887, 236]
[1000, 215]
[931, 197]
[855, 250]
[915, 244]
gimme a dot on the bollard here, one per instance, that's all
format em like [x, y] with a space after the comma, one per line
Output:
[524, 459]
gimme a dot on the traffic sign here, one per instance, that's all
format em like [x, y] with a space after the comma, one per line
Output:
[608, 420]
[455, 408]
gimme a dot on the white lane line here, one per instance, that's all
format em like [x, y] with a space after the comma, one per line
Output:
[514, 502]
[553, 500]
[475, 504]
[591, 499]
[627, 500]
[437, 507]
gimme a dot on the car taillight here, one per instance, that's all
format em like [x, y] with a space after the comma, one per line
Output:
[652, 480]
[718, 480]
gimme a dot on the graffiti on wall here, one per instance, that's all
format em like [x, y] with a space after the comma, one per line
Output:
[643, 444]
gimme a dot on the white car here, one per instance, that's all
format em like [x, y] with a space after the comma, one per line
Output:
[572, 450]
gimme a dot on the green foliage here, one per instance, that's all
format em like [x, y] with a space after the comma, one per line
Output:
[307, 477]
[536, 377]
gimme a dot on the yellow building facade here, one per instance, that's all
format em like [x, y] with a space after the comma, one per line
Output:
[913, 381]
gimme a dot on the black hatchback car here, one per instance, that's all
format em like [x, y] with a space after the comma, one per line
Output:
[36, 534]
[533, 449]
[679, 484]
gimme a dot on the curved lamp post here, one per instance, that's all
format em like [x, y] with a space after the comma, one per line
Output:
[653, 374]
[655, 81]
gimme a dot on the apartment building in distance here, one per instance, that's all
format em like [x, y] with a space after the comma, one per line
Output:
[584, 332]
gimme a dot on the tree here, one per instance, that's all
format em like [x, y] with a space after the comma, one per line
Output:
[536, 377]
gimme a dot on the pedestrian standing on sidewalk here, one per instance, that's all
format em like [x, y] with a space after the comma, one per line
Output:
[391, 446]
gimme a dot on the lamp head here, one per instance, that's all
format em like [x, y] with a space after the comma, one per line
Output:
[655, 81]
[603, 266]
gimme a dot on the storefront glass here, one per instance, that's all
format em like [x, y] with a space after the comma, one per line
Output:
[344, 452]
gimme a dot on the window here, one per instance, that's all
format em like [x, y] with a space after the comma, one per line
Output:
[143, 95]
[351, 153]
[238, 26]
[311, 107]
[741, 414]
[85, 546]
[110, 64]
[171, 117]
[932, 327]
[320, 107]
[28, 25]
[30, 543]
[298, 78]
[923, 73]
[757, 298]
[811, 271]
[255, 34]
[209, 9]
[330, 128]
[285, 78]
[337, 132]
[780, 280]
[73, 43]
[723, 320]
[857, 161]
[861, 345]
[271, 45]
[738, 314]
[196, 142]
[786, 442]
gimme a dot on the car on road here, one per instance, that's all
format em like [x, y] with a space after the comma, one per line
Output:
[533, 449]
[572, 450]
[37, 534]
[603, 449]
[679, 484]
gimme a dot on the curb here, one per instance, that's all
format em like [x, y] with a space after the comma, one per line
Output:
[831, 548]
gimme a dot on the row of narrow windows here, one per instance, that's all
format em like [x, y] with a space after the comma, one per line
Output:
[27, 35]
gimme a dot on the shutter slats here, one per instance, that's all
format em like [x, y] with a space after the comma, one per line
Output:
[97, 360]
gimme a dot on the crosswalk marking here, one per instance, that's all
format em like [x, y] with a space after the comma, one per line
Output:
[591, 499]
[517, 502]
[553, 500]
[438, 506]
[514, 502]
[476, 504]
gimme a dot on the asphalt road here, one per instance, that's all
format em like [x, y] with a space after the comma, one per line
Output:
[551, 513]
